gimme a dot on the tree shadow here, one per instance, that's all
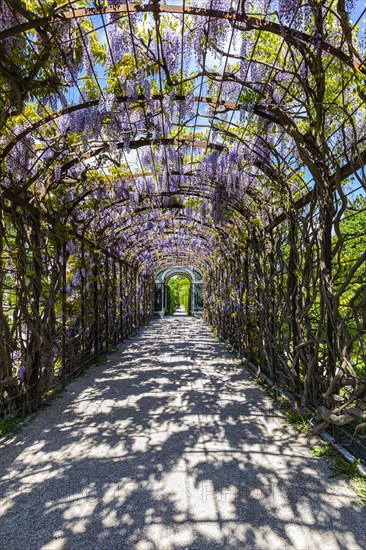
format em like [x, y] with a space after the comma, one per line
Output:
[170, 445]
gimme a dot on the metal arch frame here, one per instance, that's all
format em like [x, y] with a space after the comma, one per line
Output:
[185, 258]
[135, 144]
[251, 23]
[229, 106]
[119, 231]
[168, 263]
[136, 248]
[162, 278]
[346, 170]
[155, 8]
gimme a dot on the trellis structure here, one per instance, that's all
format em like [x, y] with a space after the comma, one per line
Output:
[224, 135]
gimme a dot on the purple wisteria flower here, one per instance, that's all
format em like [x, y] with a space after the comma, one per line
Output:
[21, 374]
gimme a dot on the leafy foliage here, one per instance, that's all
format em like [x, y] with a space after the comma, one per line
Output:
[179, 294]
[133, 140]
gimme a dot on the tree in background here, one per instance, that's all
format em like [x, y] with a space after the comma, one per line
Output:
[179, 293]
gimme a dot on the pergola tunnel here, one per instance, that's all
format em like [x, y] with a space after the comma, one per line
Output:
[219, 141]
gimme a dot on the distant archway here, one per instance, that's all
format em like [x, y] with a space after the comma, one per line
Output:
[161, 290]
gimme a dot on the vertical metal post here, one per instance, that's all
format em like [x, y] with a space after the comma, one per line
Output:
[37, 265]
[121, 316]
[128, 296]
[146, 303]
[135, 312]
[63, 371]
[114, 300]
[82, 312]
[96, 305]
[130, 301]
[106, 303]
[293, 291]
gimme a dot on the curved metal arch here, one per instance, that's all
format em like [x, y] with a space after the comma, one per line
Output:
[214, 231]
[257, 111]
[161, 218]
[182, 257]
[233, 203]
[177, 270]
[242, 214]
[193, 260]
[233, 106]
[161, 285]
[150, 248]
[163, 266]
[346, 171]
[163, 141]
[182, 191]
[135, 144]
[144, 142]
[198, 232]
[294, 36]
[120, 99]
[138, 245]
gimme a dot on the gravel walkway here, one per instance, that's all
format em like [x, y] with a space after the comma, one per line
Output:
[170, 445]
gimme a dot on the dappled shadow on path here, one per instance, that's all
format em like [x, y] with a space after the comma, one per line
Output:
[170, 445]
[180, 312]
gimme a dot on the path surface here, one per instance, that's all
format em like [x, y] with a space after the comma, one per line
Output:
[170, 445]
